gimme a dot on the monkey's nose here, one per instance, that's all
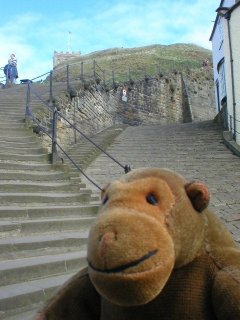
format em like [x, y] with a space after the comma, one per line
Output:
[105, 240]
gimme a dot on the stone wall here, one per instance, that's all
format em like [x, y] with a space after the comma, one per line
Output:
[169, 98]
[91, 110]
[200, 90]
[155, 100]
[59, 57]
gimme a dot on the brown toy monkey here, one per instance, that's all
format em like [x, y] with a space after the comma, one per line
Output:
[154, 252]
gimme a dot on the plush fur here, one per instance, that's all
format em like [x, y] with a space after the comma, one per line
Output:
[154, 252]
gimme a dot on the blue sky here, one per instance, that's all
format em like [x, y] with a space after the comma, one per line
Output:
[33, 29]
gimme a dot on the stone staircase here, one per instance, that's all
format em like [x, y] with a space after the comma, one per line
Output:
[43, 238]
[84, 152]
[195, 150]
[45, 214]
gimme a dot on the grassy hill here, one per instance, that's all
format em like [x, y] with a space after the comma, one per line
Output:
[135, 63]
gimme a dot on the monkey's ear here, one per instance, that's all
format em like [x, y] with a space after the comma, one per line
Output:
[198, 194]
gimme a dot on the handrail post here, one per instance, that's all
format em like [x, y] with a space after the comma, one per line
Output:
[54, 136]
[104, 78]
[51, 90]
[68, 84]
[81, 75]
[27, 102]
[129, 75]
[231, 126]
[225, 115]
[113, 80]
[74, 122]
[94, 70]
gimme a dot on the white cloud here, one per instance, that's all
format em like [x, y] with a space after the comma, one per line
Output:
[34, 37]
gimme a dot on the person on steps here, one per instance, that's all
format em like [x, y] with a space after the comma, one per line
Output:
[10, 70]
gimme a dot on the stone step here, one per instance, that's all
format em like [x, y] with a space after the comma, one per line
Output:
[15, 132]
[17, 144]
[84, 152]
[14, 299]
[33, 175]
[15, 129]
[14, 106]
[12, 113]
[38, 186]
[27, 269]
[23, 313]
[10, 125]
[44, 197]
[12, 121]
[47, 226]
[28, 137]
[15, 119]
[26, 166]
[24, 157]
[19, 247]
[22, 150]
[161, 146]
[45, 214]
[37, 212]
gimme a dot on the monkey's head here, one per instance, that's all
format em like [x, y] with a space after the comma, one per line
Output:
[150, 222]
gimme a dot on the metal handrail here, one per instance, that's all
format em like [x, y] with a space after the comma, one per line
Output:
[227, 121]
[89, 140]
[232, 128]
[52, 131]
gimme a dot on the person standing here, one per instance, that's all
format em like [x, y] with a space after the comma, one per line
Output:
[12, 73]
[12, 60]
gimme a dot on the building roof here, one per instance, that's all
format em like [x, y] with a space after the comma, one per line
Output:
[237, 4]
[215, 22]
[217, 16]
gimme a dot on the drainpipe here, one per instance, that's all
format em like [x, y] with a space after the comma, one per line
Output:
[227, 17]
[225, 13]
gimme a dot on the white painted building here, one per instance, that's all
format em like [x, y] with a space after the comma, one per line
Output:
[225, 39]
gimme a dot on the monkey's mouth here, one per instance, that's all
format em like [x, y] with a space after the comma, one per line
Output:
[126, 265]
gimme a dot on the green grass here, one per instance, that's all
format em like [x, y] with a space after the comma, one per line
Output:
[134, 63]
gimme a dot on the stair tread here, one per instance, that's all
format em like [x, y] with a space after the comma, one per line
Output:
[44, 238]
[40, 260]
[34, 172]
[29, 287]
[44, 206]
[51, 219]
[41, 206]
[36, 183]
[47, 194]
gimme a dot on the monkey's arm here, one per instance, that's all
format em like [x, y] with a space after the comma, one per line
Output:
[226, 294]
[78, 299]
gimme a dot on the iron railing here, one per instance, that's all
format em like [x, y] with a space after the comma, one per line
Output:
[233, 128]
[74, 77]
[48, 126]
[93, 71]
[230, 123]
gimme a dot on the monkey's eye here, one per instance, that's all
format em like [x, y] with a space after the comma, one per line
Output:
[151, 199]
[105, 199]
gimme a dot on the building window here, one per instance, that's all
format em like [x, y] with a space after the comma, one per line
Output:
[220, 32]
[221, 79]
[221, 45]
[218, 98]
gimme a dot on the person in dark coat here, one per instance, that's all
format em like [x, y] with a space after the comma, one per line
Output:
[10, 70]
